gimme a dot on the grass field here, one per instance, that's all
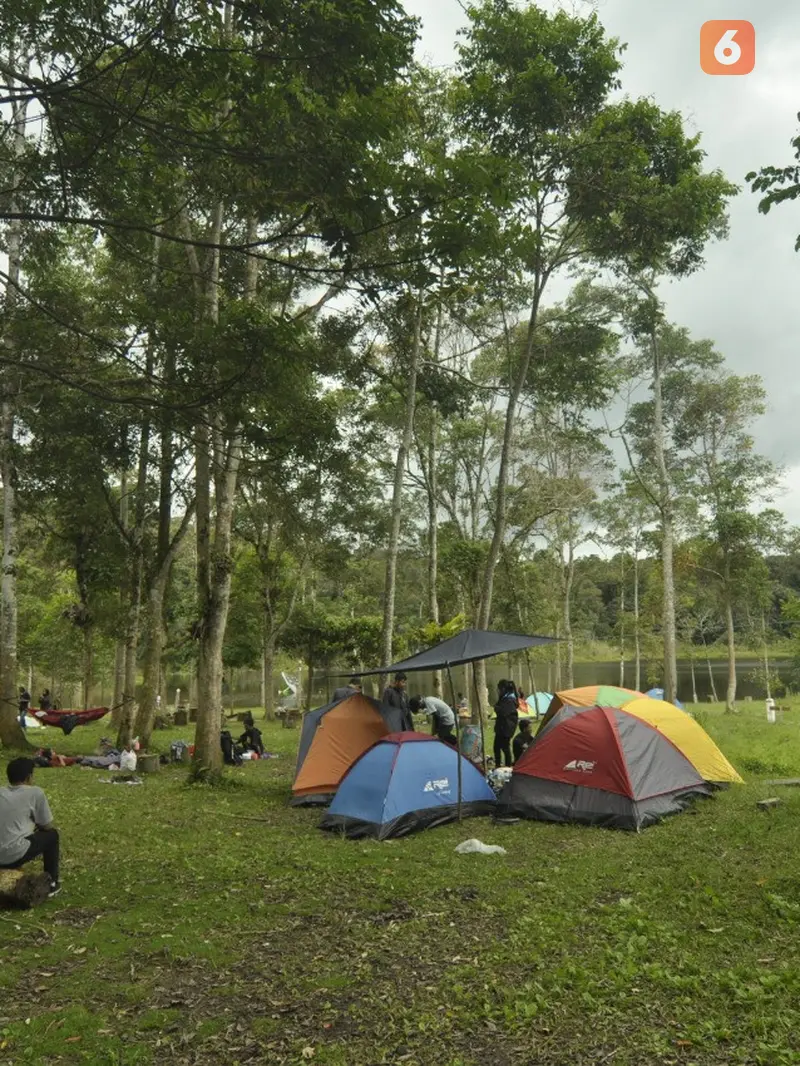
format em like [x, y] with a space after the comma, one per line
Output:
[202, 926]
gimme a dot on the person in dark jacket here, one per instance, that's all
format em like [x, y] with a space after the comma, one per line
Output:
[352, 686]
[395, 695]
[46, 701]
[505, 723]
[24, 705]
[523, 739]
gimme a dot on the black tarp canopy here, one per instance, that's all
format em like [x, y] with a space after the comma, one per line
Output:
[466, 647]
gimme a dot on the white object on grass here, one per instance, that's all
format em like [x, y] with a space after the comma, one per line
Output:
[477, 847]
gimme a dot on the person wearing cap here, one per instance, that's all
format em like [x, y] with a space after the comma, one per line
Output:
[395, 695]
[352, 686]
[441, 713]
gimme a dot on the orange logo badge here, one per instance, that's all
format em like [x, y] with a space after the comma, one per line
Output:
[727, 46]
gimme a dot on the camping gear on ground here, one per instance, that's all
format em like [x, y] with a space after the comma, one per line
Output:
[66, 721]
[332, 739]
[658, 694]
[471, 745]
[32, 723]
[589, 696]
[403, 783]
[477, 847]
[466, 647]
[499, 778]
[22, 889]
[231, 752]
[688, 737]
[601, 766]
[179, 751]
[101, 762]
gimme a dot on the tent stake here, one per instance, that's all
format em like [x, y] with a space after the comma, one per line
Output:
[458, 733]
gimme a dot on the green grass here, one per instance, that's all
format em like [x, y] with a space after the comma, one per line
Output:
[188, 934]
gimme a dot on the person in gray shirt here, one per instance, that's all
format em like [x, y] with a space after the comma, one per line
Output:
[444, 720]
[26, 823]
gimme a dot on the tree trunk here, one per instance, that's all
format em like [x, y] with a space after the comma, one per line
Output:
[119, 653]
[11, 733]
[154, 646]
[433, 542]
[730, 632]
[622, 621]
[667, 530]
[88, 664]
[569, 578]
[694, 679]
[637, 639]
[501, 486]
[767, 679]
[710, 673]
[268, 676]
[397, 492]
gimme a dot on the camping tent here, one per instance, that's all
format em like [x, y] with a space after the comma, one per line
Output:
[589, 696]
[601, 766]
[406, 782]
[688, 736]
[658, 694]
[332, 738]
[539, 702]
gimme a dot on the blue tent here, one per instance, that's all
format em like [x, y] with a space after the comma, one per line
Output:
[658, 694]
[539, 703]
[406, 782]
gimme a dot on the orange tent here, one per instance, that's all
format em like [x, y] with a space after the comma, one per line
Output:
[332, 738]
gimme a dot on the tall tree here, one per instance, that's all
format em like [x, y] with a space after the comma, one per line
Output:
[716, 412]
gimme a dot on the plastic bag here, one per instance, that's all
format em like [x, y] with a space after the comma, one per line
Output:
[127, 760]
[477, 847]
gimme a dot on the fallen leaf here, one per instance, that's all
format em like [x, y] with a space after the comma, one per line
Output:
[80, 951]
[684, 1043]
[308, 1052]
[73, 1039]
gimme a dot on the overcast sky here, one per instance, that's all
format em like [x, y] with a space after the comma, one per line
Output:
[747, 299]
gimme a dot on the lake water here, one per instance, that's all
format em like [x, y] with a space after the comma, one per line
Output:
[246, 691]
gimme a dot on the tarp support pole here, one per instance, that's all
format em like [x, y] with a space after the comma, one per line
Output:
[480, 719]
[458, 733]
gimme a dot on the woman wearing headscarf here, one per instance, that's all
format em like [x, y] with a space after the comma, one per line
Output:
[505, 722]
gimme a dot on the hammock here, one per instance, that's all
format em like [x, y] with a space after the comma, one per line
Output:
[67, 720]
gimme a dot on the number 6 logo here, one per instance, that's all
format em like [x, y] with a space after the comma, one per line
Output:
[727, 46]
[726, 50]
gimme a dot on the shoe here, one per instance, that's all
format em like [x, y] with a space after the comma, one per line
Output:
[55, 888]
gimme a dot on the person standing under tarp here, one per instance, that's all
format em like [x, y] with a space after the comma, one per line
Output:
[24, 705]
[350, 689]
[395, 695]
[505, 723]
[444, 721]
[46, 701]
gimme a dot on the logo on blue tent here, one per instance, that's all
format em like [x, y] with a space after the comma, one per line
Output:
[442, 786]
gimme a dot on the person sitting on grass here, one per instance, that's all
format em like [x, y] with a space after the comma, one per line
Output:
[251, 740]
[523, 739]
[26, 823]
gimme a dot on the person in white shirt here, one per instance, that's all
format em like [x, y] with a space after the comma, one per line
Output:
[26, 823]
[441, 713]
